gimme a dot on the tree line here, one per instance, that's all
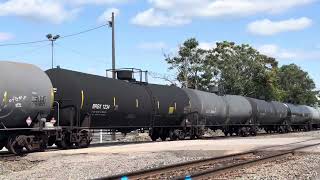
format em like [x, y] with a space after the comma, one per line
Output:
[241, 70]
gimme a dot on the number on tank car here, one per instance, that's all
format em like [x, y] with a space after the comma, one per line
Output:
[39, 100]
[16, 99]
[100, 106]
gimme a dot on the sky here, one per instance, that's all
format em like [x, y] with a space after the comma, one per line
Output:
[146, 29]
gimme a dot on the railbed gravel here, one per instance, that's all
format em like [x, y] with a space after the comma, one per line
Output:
[96, 164]
[92, 165]
[299, 166]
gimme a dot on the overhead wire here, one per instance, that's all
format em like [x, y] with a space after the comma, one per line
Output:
[30, 51]
[79, 53]
[46, 40]
[24, 43]
[82, 32]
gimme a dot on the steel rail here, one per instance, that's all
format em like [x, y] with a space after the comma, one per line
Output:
[221, 170]
[141, 174]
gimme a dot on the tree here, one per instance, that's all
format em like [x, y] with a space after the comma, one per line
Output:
[297, 85]
[188, 63]
[242, 70]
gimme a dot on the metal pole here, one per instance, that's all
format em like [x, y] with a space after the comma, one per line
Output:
[51, 54]
[113, 48]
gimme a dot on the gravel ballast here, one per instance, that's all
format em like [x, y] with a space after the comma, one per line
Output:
[98, 161]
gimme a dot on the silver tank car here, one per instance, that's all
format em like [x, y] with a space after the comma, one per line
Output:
[239, 109]
[26, 95]
[281, 112]
[268, 113]
[209, 106]
[300, 115]
[315, 116]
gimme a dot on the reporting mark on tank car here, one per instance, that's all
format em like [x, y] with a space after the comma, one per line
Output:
[39, 100]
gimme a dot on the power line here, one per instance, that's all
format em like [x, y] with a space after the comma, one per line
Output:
[23, 43]
[81, 32]
[79, 53]
[46, 40]
[31, 51]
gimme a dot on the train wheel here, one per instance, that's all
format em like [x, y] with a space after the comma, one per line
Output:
[182, 136]
[64, 143]
[163, 134]
[163, 137]
[13, 146]
[51, 140]
[253, 133]
[43, 143]
[84, 143]
[172, 135]
[154, 134]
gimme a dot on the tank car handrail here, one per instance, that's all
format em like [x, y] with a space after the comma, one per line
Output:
[58, 106]
[3, 125]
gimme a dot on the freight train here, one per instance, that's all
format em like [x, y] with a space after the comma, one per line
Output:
[62, 107]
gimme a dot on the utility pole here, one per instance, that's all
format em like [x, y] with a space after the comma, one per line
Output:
[112, 25]
[52, 39]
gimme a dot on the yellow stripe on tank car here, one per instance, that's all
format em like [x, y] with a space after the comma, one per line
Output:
[5, 97]
[52, 97]
[171, 110]
[137, 103]
[82, 99]
[114, 101]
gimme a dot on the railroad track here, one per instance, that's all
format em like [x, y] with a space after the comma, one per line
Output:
[5, 153]
[122, 143]
[213, 167]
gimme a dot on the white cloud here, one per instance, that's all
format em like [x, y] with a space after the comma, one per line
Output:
[267, 27]
[4, 36]
[106, 15]
[207, 45]
[96, 2]
[152, 45]
[179, 12]
[152, 18]
[44, 10]
[275, 51]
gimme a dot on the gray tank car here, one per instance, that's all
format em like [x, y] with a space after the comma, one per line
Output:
[239, 110]
[239, 119]
[210, 107]
[300, 116]
[26, 99]
[26, 91]
[315, 116]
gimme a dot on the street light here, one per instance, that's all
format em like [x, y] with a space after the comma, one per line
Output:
[52, 39]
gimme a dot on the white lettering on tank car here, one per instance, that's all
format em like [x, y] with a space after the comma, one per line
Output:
[96, 106]
[101, 106]
[15, 99]
[18, 105]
